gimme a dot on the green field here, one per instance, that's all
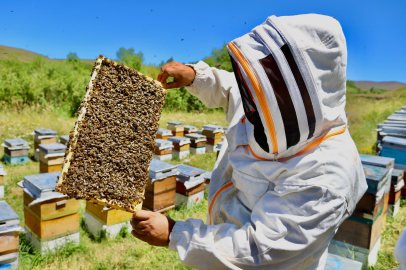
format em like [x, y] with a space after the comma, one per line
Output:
[42, 94]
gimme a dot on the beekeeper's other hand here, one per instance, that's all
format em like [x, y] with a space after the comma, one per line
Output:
[153, 228]
[182, 75]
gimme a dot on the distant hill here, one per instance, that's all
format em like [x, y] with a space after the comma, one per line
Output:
[381, 85]
[27, 56]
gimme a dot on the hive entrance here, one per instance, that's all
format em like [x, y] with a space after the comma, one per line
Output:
[111, 148]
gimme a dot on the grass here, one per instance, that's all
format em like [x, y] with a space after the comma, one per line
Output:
[126, 252]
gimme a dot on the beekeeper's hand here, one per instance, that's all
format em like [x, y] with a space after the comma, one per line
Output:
[182, 75]
[153, 228]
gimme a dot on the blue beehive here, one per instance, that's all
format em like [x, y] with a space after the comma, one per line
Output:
[16, 151]
[378, 161]
[189, 173]
[64, 139]
[41, 185]
[395, 148]
[376, 177]
[159, 170]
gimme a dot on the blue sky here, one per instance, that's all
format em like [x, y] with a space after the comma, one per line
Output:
[375, 30]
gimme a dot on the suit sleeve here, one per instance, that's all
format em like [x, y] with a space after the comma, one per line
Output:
[216, 88]
[284, 232]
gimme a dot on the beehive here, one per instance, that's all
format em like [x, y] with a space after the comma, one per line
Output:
[163, 134]
[197, 143]
[176, 127]
[110, 150]
[43, 136]
[161, 188]
[51, 157]
[50, 217]
[190, 129]
[189, 185]
[2, 174]
[214, 136]
[181, 146]
[16, 151]
[64, 139]
[397, 184]
[9, 237]
[207, 179]
[163, 150]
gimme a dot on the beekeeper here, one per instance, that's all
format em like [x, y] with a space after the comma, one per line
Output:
[289, 173]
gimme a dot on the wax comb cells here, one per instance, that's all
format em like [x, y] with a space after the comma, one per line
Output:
[109, 152]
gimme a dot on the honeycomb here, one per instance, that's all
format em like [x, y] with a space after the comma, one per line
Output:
[110, 150]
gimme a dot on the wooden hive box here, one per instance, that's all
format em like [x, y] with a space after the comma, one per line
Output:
[394, 147]
[50, 217]
[9, 236]
[16, 151]
[161, 187]
[64, 139]
[163, 147]
[111, 147]
[189, 185]
[163, 134]
[45, 136]
[50, 155]
[212, 131]
[197, 140]
[181, 146]
[190, 129]
[176, 127]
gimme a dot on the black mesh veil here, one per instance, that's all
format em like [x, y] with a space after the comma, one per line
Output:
[250, 108]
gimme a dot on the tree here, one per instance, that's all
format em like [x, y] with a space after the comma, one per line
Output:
[72, 57]
[129, 58]
[219, 58]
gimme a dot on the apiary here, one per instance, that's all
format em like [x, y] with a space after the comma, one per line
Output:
[189, 185]
[181, 146]
[368, 257]
[51, 218]
[197, 143]
[64, 139]
[161, 187]
[2, 174]
[51, 157]
[163, 134]
[9, 236]
[102, 219]
[163, 150]
[111, 147]
[16, 151]
[43, 136]
[335, 262]
[190, 130]
[207, 178]
[177, 128]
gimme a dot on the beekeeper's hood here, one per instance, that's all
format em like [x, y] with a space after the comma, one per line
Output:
[291, 73]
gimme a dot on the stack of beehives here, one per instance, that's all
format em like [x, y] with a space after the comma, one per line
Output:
[9, 237]
[176, 127]
[214, 137]
[397, 183]
[16, 151]
[391, 141]
[51, 218]
[163, 150]
[64, 139]
[189, 185]
[51, 157]
[161, 187]
[163, 134]
[197, 143]
[190, 130]
[359, 236]
[181, 146]
[43, 136]
[2, 174]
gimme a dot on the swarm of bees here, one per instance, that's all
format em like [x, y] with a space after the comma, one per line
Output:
[109, 152]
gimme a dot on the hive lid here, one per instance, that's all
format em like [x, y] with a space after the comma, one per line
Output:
[161, 142]
[164, 132]
[400, 112]
[374, 173]
[175, 123]
[160, 170]
[41, 184]
[391, 124]
[403, 108]
[379, 161]
[394, 140]
[207, 175]
[189, 173]
[196, 137]
[45, 131]
[64, 138]
[180, 140]
[52, 148]
[213, 128]
[190, 128]
[397, 117]
[15, 144]
[397, 173]
[7, 213]
[394, 122]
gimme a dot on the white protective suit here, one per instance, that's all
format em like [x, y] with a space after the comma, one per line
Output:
[277, 204]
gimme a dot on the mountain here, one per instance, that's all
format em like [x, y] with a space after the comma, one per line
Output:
[381, 85]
